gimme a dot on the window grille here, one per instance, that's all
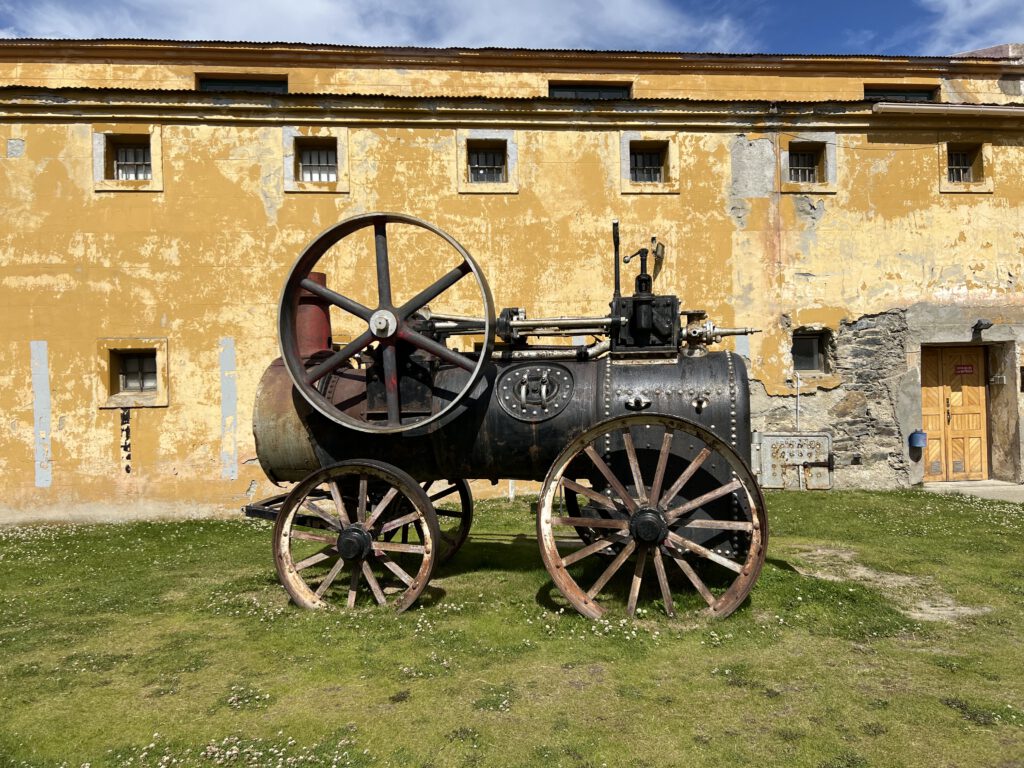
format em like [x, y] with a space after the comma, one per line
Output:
[646, 165]
[960, 167]
[803, 167]
[133, 163]
[138, 372]
[318, 164]
[487, 165]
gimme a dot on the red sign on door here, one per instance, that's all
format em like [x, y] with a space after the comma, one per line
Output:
[962, 369]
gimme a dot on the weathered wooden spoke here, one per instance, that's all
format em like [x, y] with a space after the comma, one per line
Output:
[709, 520]
[311, 551]
[330, 577]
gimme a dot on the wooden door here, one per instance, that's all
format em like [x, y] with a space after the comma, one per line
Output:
[953, 413]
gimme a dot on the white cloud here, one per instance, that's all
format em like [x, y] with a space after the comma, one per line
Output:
[966, 25]
[605, 24]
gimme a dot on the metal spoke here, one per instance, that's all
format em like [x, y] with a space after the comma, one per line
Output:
[590, 522]
[395, 568]
[381, 506]
[361, 506]
[380, 243]
[330, 577]
[339, 503]
[353, 307]
[699, 585]
[437, 350]
[314, 374]
[613, 481]
[684, 478]
[634, 466]
[674, 513]
[638, 577]
[685, 545]
[590, 493]
[666, 591]
[434, 290]
[319, 557]
[659, 473]
[612, 569]
[391, 384]
[596, 546]
[378, 593]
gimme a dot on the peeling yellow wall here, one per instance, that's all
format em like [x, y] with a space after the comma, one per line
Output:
[203, 260]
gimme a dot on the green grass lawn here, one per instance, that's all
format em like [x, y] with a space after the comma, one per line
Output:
[887, 629]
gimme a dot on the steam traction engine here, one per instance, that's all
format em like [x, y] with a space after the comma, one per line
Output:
[640, 435]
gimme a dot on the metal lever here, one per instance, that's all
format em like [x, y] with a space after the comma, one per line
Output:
[949, 414]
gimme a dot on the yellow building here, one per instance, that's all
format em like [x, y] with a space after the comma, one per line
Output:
[865, 212]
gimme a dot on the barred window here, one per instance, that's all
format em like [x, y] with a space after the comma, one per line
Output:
[487, 162]
[133, 162]
[647, 161]
[963, 164]
[137, 371]
[318, 163]
[804, 163]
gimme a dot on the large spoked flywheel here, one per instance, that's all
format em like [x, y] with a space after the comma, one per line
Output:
[395, 341]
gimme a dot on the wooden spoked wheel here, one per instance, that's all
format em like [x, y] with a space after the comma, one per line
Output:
[453, 505]
[664, 495]
[335, 539]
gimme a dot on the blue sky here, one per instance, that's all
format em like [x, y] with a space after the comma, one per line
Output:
[913, 27]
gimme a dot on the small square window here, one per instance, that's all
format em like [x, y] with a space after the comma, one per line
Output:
[964, 163]
[488, 162]
[132, 373]
[126, 159]
[647, 161]
[317, 160]
[811, 351]
[806, 163]
[137, 370]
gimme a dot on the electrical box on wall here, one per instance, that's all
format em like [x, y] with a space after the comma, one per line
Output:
[796, 461]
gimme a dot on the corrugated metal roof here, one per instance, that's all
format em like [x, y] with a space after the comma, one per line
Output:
[592, 104]
[423, 50]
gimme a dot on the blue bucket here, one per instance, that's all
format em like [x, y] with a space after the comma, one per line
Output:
[918, 438]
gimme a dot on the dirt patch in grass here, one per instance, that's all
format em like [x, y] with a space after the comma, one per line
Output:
[916, 596]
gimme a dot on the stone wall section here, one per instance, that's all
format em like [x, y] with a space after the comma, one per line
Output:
[862, 414]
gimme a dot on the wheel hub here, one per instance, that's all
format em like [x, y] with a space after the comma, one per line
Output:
[383, 323]
[354, 543]
[648, 526]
